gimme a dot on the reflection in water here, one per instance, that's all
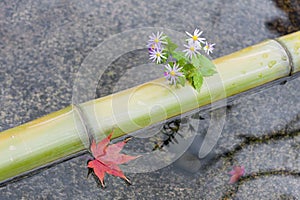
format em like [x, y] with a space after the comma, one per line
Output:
[169, 132]
[292, 9]
[287, 132]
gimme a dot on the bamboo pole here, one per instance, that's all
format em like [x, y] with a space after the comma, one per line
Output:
[64, 132]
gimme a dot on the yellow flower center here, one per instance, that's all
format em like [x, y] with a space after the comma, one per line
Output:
[157, 54]
[192, 48]
[156, 40]
[172, 73]
[195, 37]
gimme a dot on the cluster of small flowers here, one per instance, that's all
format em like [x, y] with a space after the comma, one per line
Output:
[195, 44]
[155, 47]
[157, 52]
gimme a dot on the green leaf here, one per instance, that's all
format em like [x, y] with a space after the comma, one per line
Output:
[170, 46]
[201, 61]
[205, 62]
[181, 81]
[206, 71]
[196, 61]
[189, 67]
[197, 81]
[181, 62]
[204, 65]
[189, 70]
[178, 55]
[181, 59]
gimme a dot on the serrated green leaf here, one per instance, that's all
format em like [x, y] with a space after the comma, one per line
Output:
[197, 81]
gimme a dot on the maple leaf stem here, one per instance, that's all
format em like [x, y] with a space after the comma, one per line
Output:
[127, 139]
[62, 134]
[127, 180]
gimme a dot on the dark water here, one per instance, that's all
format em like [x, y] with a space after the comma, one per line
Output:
[43, 44]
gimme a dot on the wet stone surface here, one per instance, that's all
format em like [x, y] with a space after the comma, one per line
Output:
[43, 44]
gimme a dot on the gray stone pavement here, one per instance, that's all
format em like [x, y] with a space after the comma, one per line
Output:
[43, 43]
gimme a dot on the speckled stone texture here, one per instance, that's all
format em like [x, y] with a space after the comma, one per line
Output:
[42, 46]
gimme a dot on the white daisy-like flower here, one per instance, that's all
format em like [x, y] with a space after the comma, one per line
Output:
[196, 36]
[157, 55]
[192, 49]
[155, 41]
[173, 73]
[208, 48]
[196, 44]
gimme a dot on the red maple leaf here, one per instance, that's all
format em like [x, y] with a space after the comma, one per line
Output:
[107, 158]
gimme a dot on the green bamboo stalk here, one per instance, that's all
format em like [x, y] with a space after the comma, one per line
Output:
[63, 133]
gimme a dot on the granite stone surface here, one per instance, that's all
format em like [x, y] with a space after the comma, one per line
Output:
[44, 43]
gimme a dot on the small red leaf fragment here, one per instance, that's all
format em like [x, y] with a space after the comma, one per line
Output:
[107, 158]
[236, 173]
